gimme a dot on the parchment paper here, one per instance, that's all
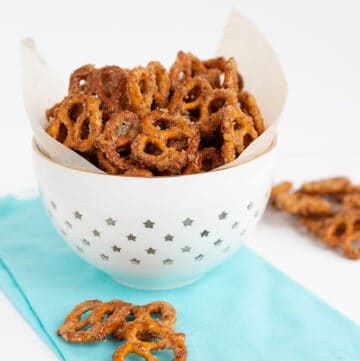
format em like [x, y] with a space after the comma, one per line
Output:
[257, 63]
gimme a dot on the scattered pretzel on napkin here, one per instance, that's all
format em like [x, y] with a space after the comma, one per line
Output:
[144, 328]
[327, 208]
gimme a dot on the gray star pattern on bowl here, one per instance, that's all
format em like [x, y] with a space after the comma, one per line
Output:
[151, 250]
[169, 238]
[110, 221]
[68, 224]
[168, 261]
[53, 204]
[199, 257]
[218, 242]
[222, 215]
[77, 215]
[135, 261]
[79, 249]
[96, 233]
[115, 248]
[131, 237]
[235, 225]
[63, 232]
[85, 242]
[149, 224]
[104, 257]
[204, 233]
[186, 249]
[187, 222]
[249, 206]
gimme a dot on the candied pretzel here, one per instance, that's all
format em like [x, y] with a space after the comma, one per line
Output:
[313, 224]
[303, 204]
[162, 82]
[79, 79]
[342, 229]
[164, 312]
[141, 89]
[138, 172]
[77, 122]
[151, 147]
[116, 138]
[205, 160]
[189, 97]
[104, 319]
[211, 110]
[351, 200]
[327, 186]
[280, 188]
[105, 164]
[161, 338]
[184, 68]
[238, 131]
[109, 84]
[250, 107]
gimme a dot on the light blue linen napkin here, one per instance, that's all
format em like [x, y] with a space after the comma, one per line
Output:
[244, 310]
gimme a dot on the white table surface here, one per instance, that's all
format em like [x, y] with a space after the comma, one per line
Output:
[318, 45]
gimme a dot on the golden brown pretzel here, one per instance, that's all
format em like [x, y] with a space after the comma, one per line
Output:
[161, 312]
[151, 147]
[141, 89]
[250, 107]
[138, 172]
[161, 338]
[280, 188]
[109, 84]
[342, 230]
[205, 160]
[79, 79]
[238, 132]
[105, 164]
[162, 84]
[77, 122]
[188, 98]
[98, 328]
[116, 138]
[327, 186]
[303, 204]
[351, 200]
[211, 110]
[184, 67]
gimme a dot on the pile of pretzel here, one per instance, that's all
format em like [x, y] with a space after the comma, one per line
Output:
[143, 328]
[147, 121]
[329, 209]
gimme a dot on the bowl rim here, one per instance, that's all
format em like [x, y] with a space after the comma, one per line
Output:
[36, 150]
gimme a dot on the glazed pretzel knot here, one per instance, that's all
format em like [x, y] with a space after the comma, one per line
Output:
[79, 79]
[109, 84]
[77, 122]
[161, 338]
[153, 149]
[205, 160]
[115, 140]
[250, 107]
[93, 327]
[160, 312]
[148, 87]
[201, 103]
[238, 131]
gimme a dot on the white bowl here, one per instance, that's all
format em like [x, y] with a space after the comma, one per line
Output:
[155, 233]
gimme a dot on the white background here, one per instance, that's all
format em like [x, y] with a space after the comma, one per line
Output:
[318, 45]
